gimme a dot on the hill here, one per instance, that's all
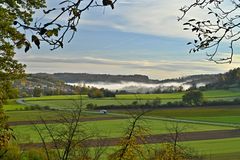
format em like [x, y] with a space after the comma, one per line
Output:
[85, 77]
[230, 79]
[58, 83]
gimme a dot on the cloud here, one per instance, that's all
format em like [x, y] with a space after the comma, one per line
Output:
[151, 17]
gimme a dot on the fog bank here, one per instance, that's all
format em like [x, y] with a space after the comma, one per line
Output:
[137, 87]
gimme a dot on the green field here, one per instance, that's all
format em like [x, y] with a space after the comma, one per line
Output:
[217, 149]
[12, 105]
[207, 94]
[222, 119]
[71, 103]
[114, 128]
[15, 116]
[223, 149]
[66, 101]
[223, 114]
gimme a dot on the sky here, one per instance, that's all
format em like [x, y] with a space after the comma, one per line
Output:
[137, 37]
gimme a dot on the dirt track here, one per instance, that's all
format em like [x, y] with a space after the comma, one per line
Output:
[188, 136]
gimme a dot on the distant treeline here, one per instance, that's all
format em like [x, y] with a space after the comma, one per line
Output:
[55, 84]
[230, 79]
[154, 104]
[85, 77]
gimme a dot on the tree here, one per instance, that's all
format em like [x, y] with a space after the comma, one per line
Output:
[219, 27]
[95, 93]
[37, 92]
[10, 69]
[173, 150]
[108, 93]
[130, 148]
[193, 98]
[55, 30]
[69, 142]
[17, 31]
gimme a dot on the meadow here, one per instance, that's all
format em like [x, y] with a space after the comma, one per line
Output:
[66, 101]
[112, 128]
[210, 149]
[115, 127]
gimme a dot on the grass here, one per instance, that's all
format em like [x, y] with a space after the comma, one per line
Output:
[197, 112]
[224, 114]
[65, 101]
[70, 103]
[215, 146]
[111, 128]
[150, 96]
[207, 94]
[221, 149]
[221, 93]
[217, 149]
[12, 105]
[31, 115]
[15, 116]
[222, 119]
[57, 97]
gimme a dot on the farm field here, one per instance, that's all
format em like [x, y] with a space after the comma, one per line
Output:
[15, 116]
[221, 149]
[66, 101]
[222, 114]
[178, 95]
[64, 104]
[12, 105]
[222, 119]
[114, 128]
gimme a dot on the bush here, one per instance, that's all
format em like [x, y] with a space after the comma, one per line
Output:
[95, 93]
[13, 153]
[193, 98]
[134, 103]
[170, 152]
[236, 101]
[34, 154]
[46, 108]
[108, 93]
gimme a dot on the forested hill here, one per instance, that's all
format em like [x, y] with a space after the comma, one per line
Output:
[85, 77]
[52, 84]
[228, 79]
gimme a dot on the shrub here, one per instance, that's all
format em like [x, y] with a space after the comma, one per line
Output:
[95, 93]
[193, 98]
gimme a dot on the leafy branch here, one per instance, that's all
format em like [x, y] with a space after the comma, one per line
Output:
[216, 32]
[56, 30]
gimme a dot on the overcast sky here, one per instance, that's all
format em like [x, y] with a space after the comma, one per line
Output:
[137, 37]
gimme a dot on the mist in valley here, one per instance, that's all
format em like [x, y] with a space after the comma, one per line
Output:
[136, 87]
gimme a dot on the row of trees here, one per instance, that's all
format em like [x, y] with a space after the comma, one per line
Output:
[99, 93]
[189, 99]
[91, 92]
